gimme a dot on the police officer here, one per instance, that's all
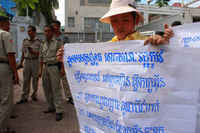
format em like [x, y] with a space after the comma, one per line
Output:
[57, 33]
[30, 53]
[60, 37]
[8, 73]
[50, 70]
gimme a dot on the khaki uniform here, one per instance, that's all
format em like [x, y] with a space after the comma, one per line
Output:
[51, 74]
[6, 77]
[64, 82]
[31, 67]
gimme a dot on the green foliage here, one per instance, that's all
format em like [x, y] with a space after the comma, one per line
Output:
[54, 4]
[39, 6]
[22, 5]
[2, 13]
[46, 7]
[162, 3]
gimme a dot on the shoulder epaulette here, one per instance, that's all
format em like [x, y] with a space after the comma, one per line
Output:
[37, 39]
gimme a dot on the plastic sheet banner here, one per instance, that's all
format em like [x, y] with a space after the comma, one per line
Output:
[187, 35]
[126, 87]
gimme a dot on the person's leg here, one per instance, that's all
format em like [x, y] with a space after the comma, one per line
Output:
[26, 84]
[48, 90]
[6, 97]
[13, 114]
[35, 78]
[57, 91]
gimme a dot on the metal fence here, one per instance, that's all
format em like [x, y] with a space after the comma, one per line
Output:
[85, 37]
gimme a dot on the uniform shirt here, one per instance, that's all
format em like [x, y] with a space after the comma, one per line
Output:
[133, 36]
[48, 51]
[6, 44]
[35, 45]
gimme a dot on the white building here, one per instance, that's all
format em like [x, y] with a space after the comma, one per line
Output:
[82, 16]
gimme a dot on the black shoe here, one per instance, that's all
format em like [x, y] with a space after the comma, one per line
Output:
[70, 100]
[49, 111]
[59, 116]
[11, 130]
[22, 101]
[7, 130]
[13, 116]
[34, 99]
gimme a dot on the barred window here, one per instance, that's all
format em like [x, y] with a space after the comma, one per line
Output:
[93, 24]
[71, 22]
[82, 2]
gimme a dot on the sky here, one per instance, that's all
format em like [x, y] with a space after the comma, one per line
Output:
[60, 13]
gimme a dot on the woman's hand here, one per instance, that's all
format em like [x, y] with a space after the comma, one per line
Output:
[158, 40]
[60, 53]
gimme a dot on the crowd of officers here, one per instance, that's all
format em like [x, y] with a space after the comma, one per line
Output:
[38, 60]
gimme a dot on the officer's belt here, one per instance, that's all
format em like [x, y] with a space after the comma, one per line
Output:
[4, 62]
[49, 64]
[31, 58]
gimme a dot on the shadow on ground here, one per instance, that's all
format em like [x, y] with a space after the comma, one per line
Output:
[31, 118]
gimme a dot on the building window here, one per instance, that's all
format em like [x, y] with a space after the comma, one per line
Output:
[93, 25]
[82, 2]
[196, 19]
[99, 1]
[71, 22]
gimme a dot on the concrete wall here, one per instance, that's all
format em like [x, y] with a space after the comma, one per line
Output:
[186, 16]
[73, 9]
[19, 32]
[159, 24]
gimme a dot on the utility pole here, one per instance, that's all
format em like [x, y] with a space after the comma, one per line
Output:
[96, 32]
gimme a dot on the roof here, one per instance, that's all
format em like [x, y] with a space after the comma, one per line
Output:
[176, 4]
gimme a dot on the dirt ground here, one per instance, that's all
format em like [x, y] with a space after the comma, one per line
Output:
[31, 118]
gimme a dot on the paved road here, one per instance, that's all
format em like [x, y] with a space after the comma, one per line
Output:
[31, 118]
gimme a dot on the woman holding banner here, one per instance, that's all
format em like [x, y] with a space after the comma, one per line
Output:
[124, 17]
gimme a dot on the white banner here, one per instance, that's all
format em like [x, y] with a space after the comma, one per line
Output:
[126, 87]
[187, 35]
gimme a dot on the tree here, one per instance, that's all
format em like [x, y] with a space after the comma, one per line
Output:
[3, 13]
[162, 3]
[25, 7]
[45, 7]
